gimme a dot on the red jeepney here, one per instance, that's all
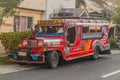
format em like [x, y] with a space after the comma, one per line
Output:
[67, 37]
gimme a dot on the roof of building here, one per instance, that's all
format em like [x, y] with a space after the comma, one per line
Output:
[35, 5]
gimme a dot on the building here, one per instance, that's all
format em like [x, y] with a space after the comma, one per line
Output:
[27, 16]
[29, 12]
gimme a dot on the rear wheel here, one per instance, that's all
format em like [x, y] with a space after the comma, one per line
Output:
[52, 59]
[96, 53]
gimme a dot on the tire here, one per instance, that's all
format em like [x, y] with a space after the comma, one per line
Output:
[96, 53]
[52, 59]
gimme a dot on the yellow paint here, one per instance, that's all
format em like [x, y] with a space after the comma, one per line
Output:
[45, 49]
[20, 45]
[88, 43]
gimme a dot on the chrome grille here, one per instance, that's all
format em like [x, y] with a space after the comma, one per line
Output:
[31, 43]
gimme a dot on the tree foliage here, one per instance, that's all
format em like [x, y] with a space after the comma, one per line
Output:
[117, 13]
[7, 8]
[117, 16]
[104, 14]
[11, 40]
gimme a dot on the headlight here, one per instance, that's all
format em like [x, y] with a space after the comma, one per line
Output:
[24, 42]
[40, 43]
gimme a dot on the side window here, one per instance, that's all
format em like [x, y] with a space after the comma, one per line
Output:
[92, 29]
[85, 29]
[71, 35]
[99, 29]
[60, 30]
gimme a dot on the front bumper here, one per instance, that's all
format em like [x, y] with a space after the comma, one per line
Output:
[31, 59]
[24, 61]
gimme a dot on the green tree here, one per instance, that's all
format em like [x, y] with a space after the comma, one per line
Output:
[7, 8]
[117, 16]
[116, 20]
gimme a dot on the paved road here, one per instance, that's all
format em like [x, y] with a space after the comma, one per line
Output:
[105, 68]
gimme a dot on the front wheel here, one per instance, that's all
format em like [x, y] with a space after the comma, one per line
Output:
[52, 59]
[96, 54]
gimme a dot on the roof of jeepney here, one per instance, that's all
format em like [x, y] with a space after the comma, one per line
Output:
[85, 22]
[75, 15]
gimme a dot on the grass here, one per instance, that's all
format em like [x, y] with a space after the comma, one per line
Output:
[5, 61]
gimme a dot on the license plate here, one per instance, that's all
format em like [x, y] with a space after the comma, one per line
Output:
[22, 53]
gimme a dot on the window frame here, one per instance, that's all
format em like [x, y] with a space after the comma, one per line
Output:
[100, 29]
[83, 26]
[94, 29]
[26, 19]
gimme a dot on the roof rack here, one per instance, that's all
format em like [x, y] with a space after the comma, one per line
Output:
[70, 13]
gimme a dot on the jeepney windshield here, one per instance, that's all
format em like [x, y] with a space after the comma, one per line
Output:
[51, 30]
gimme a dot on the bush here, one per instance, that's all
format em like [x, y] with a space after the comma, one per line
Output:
[12, 39]
[5, 61]
[113, 43]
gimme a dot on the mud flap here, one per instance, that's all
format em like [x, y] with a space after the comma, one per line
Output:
[106, 52]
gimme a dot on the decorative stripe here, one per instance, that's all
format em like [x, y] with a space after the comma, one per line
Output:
[51, 34]
[92, 24]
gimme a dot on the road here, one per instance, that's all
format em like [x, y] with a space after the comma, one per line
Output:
[105, 68]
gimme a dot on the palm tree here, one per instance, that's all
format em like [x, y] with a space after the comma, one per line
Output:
[80, 3]
[103, 5]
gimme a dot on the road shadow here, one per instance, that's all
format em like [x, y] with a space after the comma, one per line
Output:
[84, 60]
[79, 61]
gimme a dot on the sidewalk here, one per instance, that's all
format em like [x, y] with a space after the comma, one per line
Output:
[115, 51]
[14, 68]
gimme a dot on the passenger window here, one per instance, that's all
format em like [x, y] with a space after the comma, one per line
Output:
[99, 29]
[60, 30]
[92, 29]
[85, 29]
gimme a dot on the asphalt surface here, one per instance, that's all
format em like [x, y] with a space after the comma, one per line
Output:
[105, 68]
